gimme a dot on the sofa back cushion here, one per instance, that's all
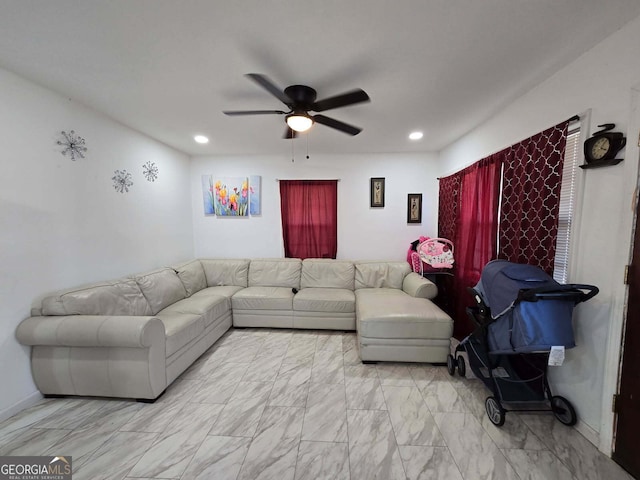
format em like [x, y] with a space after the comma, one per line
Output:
[119, 297]
[221, 272]
[381, 274]
[275, 272]
[192, 276]
[161, 288]
[327, 273]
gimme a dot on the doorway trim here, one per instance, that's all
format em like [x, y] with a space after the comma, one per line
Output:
[619, 301]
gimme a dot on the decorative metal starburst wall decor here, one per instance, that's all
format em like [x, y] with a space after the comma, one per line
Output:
[121, 181]
[150, 171]
[73, 145]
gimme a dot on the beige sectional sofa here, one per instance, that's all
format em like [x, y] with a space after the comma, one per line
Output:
[134, 336]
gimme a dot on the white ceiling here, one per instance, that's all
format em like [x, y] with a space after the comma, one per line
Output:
[168, 68]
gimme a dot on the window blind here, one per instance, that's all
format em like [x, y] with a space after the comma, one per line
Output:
[567, 203]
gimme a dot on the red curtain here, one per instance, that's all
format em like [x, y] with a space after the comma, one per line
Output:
[531, 198]
[448, 206]
[309, 211]
[472, 225]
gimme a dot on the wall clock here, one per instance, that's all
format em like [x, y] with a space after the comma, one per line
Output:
[603, 146]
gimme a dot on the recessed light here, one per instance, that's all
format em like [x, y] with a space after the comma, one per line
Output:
[415, 135]
[201, 139]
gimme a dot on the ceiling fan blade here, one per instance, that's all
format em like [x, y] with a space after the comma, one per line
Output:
[349, 98]
[270, 87]
[254, 112]
[337, 124]
[290, 133]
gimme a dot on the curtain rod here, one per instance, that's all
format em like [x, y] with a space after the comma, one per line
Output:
[575, 118]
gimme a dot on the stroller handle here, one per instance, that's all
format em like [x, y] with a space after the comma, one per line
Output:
[576, 291]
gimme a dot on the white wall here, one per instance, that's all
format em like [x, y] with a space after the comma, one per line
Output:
[363, 232]
[62, 223]
[600, 81]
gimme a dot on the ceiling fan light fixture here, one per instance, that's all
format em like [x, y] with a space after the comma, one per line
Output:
[299, 122]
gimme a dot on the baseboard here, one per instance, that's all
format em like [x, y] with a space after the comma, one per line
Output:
[588, 432]
[31, 400]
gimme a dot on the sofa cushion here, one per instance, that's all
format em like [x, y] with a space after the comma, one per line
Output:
[161, 288]
[119, 297]
[222, 271]
[398, 315]
[211, 307]
[226, 291]
[275, 272]
[263, 298]
[192, 276]
[327, 273]
[180, 329]
[330, 300]
[364, 294]
[381, 274]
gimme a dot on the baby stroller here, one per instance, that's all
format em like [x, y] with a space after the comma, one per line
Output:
[520, 313]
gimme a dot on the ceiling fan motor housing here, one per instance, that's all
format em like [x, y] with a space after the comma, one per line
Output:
[301, 95]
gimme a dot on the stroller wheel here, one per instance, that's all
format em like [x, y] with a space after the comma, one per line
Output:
[451, 365]
[462, 367]
[563, 410]
[495, 412]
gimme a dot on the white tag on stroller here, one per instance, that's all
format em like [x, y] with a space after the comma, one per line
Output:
[556, 356]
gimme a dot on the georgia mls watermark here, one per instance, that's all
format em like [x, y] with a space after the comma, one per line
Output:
[35, 468]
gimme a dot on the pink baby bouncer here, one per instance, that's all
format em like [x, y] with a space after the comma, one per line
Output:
[431, 255]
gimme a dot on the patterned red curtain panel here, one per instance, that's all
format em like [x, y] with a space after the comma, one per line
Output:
[531, 198]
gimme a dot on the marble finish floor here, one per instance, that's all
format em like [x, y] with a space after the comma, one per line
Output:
[298, 405]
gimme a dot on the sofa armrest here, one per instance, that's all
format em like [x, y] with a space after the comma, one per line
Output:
[418, 286]
[91, 331]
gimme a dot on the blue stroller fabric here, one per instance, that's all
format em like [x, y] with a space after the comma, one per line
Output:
[501, 281]
[525, 326]
[533, 326]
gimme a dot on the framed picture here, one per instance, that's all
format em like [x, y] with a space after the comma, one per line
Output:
[414, 208]
[377, 192]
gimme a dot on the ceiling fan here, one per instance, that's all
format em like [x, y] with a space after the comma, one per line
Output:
[301, 99]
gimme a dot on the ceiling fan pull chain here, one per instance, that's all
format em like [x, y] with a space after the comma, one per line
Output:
[292, 157]
[307, 135]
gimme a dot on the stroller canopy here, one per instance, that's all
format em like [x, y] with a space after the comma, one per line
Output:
[501, 281]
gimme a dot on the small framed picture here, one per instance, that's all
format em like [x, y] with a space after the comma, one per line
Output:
[414, 208]
[377, 192]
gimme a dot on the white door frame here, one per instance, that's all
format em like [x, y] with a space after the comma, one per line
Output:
[618, 312]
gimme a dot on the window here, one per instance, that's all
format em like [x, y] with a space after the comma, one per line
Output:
[567, 204]
[309, 210]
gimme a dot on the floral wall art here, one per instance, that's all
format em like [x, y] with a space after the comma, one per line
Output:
[231, 196]
[208, 194]
[254, 195]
